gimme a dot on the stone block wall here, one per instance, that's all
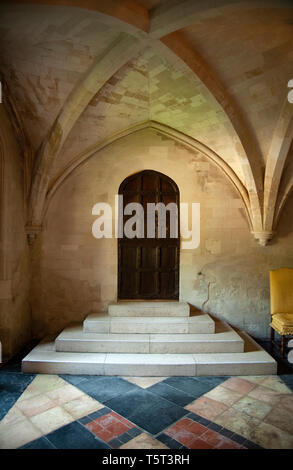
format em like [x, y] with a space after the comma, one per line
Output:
[15, 311]
[75, 274]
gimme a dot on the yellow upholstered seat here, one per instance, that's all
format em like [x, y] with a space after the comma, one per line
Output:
[281, 290]
[283, 323]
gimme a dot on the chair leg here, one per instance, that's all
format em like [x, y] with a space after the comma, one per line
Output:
[272, 335]
[283, 345]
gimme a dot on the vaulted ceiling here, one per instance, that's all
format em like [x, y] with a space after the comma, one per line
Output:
[81, 73]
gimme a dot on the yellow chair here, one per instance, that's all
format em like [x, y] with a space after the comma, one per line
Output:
[281, 290]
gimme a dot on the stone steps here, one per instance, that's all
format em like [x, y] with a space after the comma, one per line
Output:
[74, 339]
[149, 309]
[101, 323]
[253, 361]
[139, 339]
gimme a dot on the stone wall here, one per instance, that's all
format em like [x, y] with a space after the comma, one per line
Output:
[227, 275]
[15, 312]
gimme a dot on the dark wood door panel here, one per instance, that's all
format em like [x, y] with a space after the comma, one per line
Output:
[148, 268]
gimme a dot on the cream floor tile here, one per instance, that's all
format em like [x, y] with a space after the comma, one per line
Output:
[82, 406]
[271, 437]
[13, 416]
[144, 441]
[206, 407]
[252, 407]
[46, 382]
[276, 384]
[51, 419]
[281, 416]
[16, 435]
[286, 402]
[256, 379]
[144, 382]
[238, 385]
[36, 405]
[30, 392]
[64, 394]
[265, 394]
[224, 395]
[238, 422]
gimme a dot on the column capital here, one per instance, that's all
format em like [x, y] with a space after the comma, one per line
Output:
[263, 237]
[32, 232]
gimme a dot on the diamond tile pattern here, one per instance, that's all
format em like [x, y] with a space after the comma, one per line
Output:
[147, 410]
[75, 436]
[95, 412]
[12, 385]
[99, 387]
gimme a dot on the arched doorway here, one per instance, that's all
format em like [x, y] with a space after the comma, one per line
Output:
[148, 268]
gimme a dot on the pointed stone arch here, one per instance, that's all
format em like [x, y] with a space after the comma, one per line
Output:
[166, 18]
[250, 162]
[166, 131]
[130, 12]
[285, 187]
[115, 56]
[280, 145]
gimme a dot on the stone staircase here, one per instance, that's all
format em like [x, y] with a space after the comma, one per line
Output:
[150, 339]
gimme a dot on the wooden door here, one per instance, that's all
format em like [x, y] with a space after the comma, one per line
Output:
[148, 268]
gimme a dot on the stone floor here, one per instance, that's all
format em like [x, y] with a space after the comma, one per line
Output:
[97, 412]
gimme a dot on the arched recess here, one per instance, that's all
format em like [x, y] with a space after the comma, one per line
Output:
[168, 131]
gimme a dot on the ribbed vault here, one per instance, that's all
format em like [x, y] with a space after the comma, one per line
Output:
[72, 67]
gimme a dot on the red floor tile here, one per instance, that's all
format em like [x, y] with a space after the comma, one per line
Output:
[105, 435]
[199, 443]
[117, 428]
[109, 426]
[182, 436]
[183, 423]
[122, 420]
[218, 441]
[213, 438]
[196, 436]
[186, 432]
[196, 428]
[94, 427]
[230, 445]
[106, 420]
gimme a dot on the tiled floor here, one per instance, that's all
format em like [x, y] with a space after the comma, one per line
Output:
[94, 412]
